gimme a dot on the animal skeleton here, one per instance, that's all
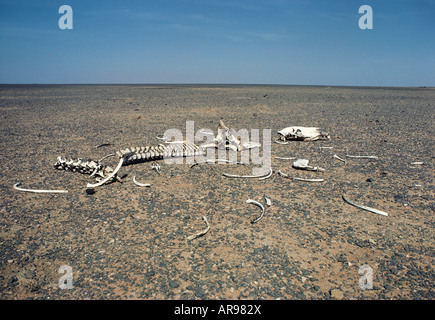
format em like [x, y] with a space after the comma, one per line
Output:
[224, 139]
[301, 133]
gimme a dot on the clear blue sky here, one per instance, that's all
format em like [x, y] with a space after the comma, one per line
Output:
[298, 42]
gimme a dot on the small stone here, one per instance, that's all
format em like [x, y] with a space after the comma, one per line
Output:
[173, 284]
[90, 191]
[336, 294]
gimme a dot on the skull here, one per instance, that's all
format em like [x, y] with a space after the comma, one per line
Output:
[302, 134]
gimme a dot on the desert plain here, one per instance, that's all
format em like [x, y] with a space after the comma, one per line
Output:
[129, 242]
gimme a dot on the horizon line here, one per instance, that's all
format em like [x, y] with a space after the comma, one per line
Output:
[213, 84]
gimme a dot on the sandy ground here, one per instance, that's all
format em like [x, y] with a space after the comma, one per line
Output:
[128, 242]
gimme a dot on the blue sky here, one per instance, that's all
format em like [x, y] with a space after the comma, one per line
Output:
[298, 42]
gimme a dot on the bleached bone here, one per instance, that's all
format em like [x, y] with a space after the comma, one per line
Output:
[337, 157]
[156, 167]
[308, 180]
[267, 176]
[268, 202]
[302, 133]
[362, 157]
[303, 165]
[226, 139]
[103, 145]
[90, 167]
[200, 234]
[417, 163]
[285, 158]
[259, 205]
[38, 190]
[364, 207]
[103, 181]
[140, 184]
[261, 176]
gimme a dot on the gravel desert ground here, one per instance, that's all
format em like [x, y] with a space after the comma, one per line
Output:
[130, 242]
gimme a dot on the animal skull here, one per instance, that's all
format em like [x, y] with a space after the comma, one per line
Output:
[302, 133]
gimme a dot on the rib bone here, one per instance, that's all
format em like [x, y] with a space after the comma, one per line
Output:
[364, 207]
[203, 232]
[38, 190]
[259, 205]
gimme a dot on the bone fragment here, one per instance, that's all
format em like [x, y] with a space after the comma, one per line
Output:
[200, 234]
[303, 164]
[268, 202]
[38, 190]
[416, 163]
[262, 176]
[326, 147]
[90, 185]
[280, 142]
[364, 207]
[259, 205]
[140, 184]
[156, 166]
[103, 145]
[282, 174]
[337, 157]
[362, 157]
[267, 176]
[308, 180]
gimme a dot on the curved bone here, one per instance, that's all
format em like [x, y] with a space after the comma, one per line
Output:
[203, 232]
[261, 176]
[259, 205]
[337, 157]
[90, 185]
[268, 175]
[268, 202]
[140, 184]
[364, 207]
[38, 190]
